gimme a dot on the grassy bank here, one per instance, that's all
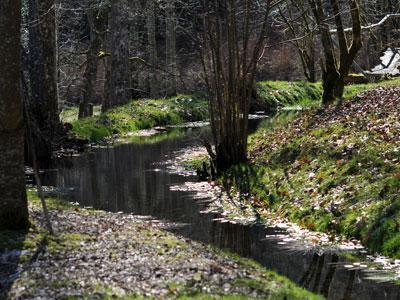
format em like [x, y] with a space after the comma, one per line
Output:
[138, 115]
[336, 170]
[284, 94]
[118, 256]
[148, 113]
[300, 94]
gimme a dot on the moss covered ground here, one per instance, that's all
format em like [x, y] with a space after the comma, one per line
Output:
[334, 169]
[100, 255]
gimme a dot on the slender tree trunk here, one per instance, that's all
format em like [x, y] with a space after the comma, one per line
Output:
[117, 77]
[135, 45]
[230, 65]
[171, 48]
[97, 24]
[13, 202]
[152, 47]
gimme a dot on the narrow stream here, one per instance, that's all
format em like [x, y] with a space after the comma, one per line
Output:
[134, 178]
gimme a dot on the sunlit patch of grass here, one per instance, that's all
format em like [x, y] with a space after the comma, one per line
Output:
[285, 94]
[142, 114]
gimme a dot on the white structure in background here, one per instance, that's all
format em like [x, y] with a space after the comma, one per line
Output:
[390, 63]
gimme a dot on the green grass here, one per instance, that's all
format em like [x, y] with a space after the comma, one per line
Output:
[140, 114]
[363, 187]
[354, 89]
[148, 113]
[279, 94]
[312, 178]
[300, 94]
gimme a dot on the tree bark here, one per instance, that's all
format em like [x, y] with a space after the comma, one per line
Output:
[13, 202]
[48, 30]
[117, 77]
[170, 44]
[152, 48]
[97, 23]
[334, 70]
[232, 48]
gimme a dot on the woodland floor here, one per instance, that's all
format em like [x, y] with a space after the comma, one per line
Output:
[99, 255]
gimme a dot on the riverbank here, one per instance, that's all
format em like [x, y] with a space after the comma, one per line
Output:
[120, 256]
[137, 115]
[334, 170]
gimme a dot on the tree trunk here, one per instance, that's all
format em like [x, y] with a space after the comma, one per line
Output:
[230, 62]
[152, 48]
[135, 44]
[336, 69]
[117, 77]
[13, 202]
[48, 30]
[171, 48]
[97, 23]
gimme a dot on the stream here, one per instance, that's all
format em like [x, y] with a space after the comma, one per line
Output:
[135, 178]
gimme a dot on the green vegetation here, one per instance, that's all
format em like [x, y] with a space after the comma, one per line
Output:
[145, 114]
[141, 114]
[337, 172]
[279, 94]
[300, 94]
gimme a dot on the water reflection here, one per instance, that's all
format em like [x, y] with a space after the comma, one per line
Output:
[134, 178]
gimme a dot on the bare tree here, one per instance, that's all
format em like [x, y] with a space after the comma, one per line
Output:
[335, 69]
[234, 37]
[13, 202]
[299, 22]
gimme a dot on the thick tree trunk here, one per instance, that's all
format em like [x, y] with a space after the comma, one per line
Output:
[47, 18]
[43, 97]
[13, 202]
[171, 48]
[97, 23]
[36, 97]
[117, 76]
[152, 47]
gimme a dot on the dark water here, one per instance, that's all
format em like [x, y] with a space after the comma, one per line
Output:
[134, 178]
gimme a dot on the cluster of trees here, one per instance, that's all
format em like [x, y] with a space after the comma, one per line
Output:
[109, 52]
